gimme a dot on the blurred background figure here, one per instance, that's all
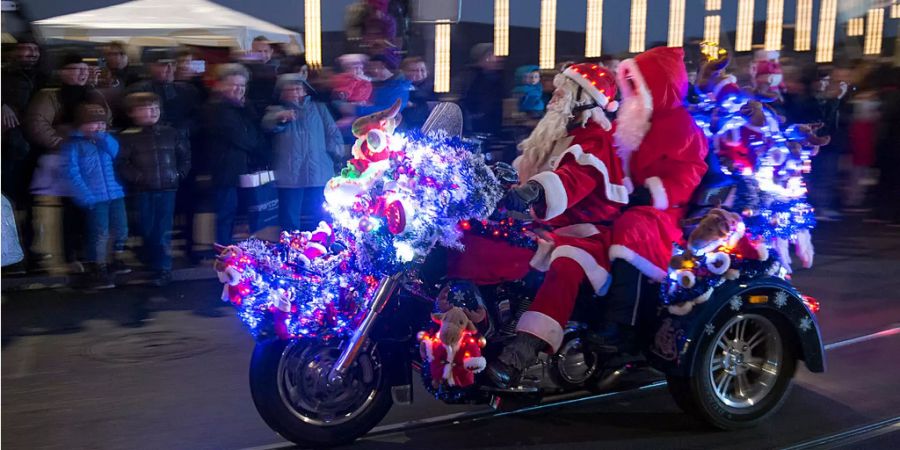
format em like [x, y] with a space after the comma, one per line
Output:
[306, 148]
[178, 101]
[483, 91]
[529, 92]
[421, 93]
[351, 85]
[115, 74]
[263, 73]
[234, 143]
[887, 150]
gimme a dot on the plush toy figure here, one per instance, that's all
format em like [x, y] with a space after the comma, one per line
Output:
[767, 76]
[714, 80]
[454, 356]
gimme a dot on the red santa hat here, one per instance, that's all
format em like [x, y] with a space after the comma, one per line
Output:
[598, 82]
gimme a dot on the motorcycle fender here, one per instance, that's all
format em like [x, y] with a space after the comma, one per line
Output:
[678, 340]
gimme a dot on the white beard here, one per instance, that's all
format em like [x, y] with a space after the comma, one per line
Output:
[537, 149]
[632, 124]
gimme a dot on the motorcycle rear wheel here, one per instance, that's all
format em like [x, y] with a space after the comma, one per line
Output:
[290, 388]
[742, 376]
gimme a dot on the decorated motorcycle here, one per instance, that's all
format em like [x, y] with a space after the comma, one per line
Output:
[346, 315]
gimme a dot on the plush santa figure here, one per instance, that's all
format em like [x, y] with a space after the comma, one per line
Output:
[767, 76]
[664, 153]
[573, 184]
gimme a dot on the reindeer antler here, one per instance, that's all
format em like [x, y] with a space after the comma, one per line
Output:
[362, 125]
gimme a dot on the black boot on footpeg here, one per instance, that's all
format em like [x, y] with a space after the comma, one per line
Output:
[506, 371]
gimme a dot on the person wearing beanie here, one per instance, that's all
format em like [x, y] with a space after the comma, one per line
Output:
[307, 146]
[90, 153]
[50, 117]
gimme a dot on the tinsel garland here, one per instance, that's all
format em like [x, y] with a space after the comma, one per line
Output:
[387, 214]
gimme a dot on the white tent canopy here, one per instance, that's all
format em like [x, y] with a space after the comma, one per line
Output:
[161, 22]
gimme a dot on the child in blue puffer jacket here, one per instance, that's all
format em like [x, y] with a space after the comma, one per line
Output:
[528, 91]
[90, 154]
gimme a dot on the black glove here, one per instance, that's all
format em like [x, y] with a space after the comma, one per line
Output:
[522, 197]
[506, 174]
[640, 197]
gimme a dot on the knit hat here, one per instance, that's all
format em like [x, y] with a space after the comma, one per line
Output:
[291, 79]
[70, 58]
[597, 81]
[90, 112]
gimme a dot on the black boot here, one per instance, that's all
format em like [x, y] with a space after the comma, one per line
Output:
[506, 371]
[99, 277]
[622, 309]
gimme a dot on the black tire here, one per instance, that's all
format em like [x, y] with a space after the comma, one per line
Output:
[696, 395]
[284, 418]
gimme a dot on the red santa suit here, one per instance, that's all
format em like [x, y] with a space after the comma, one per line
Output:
[669, 161]
[583, 193]
[455, 364]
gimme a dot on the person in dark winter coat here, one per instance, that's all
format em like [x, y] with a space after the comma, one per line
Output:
[90, 153]
[306, 144]
[235, 144]
[154, 159]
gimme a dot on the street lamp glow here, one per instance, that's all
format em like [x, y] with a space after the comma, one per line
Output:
[743, 40]
[711, 29]
[593, 40]
[874, 25]
[825, 40]
[442, 56]
[676, 23]
[501, 27]
[312, 22]
[548, 34]
[803, 30]
[774, 24]
[638, 35]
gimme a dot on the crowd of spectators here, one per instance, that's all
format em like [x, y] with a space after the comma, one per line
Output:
[106, 142]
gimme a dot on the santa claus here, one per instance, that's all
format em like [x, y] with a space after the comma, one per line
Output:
[663, 151]
[574, 185]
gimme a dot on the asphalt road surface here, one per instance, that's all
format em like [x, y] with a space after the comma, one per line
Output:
[146, 368]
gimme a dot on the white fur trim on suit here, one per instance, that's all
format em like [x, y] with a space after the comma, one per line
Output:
[614, 192]
[543, 256]
[730, 79]
[448, 365]
[657, 192]
[597, 275]
[542, 326]
[475, 364]
[639, 262]
[555, 196]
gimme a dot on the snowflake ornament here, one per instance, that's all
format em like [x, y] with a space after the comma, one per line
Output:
[735, 303]
[781, 299]
[459, 298]
[709, 329]
[806, 324]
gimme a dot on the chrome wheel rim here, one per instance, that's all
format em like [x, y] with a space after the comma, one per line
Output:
[306, 389]
[746, 361]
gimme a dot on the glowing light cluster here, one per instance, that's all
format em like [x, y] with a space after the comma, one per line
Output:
[713, 5]
[676, 23]
[312, 20]
[743, 41]
[442, 57]
[501, 27]
[855, 26]
[774, 24]
[895, 10]
[712, 28]
[803, 30]
[547, 57]
[827, 23]
[638, 33]
[874, 26]
[593, 39]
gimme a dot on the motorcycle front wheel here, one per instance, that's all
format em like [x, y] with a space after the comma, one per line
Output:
[289, 382]
[742, 375]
